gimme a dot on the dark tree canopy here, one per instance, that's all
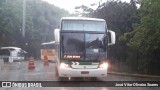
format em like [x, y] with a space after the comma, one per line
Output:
[41, 18]
[137, 30]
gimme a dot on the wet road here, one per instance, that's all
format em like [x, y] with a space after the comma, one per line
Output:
[18, 71]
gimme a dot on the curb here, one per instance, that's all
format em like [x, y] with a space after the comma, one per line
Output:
[134, 75]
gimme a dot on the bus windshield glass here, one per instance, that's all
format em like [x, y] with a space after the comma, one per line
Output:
[83, 46]
[83, 25]
[48, 49]
[48, 46]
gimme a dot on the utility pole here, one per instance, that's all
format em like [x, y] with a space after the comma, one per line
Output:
[24, 18]
[24, 45]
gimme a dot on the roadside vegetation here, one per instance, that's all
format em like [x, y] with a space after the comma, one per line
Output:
[137, 26]
[41, 18]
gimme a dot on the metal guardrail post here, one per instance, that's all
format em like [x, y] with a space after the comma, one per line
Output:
[10, 59]
[1, 63]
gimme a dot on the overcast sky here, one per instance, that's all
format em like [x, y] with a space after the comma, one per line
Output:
[69, 5]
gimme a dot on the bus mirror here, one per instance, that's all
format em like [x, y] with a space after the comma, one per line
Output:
[56, 35]
[24, 52]
[112, 37]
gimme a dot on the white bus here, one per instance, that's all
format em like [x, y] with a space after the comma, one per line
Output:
[10, 54]
[82, 46]
[48, 49]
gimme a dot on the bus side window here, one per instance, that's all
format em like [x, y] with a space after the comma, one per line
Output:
[5, 52]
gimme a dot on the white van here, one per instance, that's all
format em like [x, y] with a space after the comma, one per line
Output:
[12, 54]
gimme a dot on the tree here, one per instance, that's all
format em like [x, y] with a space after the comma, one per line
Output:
[120, 17]
[41, 20]
[146, 39]
[82, 11]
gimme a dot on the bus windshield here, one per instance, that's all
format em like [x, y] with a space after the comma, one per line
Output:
[85, 25]
[48, 45]
[83, 46]
[48, 49]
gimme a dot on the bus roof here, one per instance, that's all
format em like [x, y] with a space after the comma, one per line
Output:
[10, 48]
[82, 18]
[51, 42]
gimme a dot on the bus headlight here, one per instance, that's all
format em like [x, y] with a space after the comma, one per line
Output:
[64, 65]
[103, 65]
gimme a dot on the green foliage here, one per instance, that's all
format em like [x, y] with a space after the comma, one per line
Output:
[147, 35]
[41, 18]
[146, 38]
[150, 25]
[10, 21]
[137, 30]
[119, 16]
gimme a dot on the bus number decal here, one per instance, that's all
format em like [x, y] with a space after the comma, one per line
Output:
[71, 56]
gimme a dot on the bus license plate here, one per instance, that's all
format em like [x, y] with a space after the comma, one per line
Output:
[84, 72]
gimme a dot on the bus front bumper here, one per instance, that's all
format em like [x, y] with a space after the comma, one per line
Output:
[69, 72]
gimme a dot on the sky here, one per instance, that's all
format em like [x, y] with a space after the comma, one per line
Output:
[69, 5]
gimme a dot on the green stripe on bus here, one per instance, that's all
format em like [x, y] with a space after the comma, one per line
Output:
[80, 62]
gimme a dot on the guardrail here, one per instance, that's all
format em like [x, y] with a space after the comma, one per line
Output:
[11, 58]
[135, 75]
[5, 58]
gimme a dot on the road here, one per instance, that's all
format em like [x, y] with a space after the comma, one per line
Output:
[18, 71]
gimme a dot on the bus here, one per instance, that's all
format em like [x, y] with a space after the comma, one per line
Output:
[48, 49]
[82, 47]
[11, 54]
